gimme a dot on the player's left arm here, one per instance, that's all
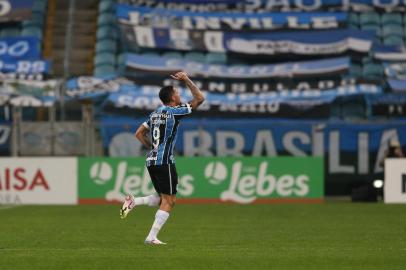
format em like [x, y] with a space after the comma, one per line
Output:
[141, 135]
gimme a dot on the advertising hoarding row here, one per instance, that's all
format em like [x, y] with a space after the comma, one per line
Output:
[201, 180]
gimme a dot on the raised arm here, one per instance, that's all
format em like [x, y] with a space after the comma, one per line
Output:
[198, 97]
[141, 135]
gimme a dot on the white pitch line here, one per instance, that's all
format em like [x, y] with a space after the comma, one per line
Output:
[5, 207]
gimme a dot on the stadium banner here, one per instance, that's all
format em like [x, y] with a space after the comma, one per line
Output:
[93, 87]
[38, 180]
[15, 10]
[312, 42]
[19, 48]
[388, 105]
[395, 70]
[22, 77]
[389, 53]
[26, 100]
[395, 180]
[272, 5]
[311, 104]
[25, 67]
[258, 86]
[124, 103]
[88, 87]
[165, 66]
[352, 152]
[26, 91]
[226, 21]
[5, 135]
[205, 180]
[397, 86]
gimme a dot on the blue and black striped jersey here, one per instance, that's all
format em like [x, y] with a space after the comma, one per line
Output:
[163, 125]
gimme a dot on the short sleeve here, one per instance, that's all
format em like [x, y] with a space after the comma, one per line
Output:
[183, 109]
[147, 124]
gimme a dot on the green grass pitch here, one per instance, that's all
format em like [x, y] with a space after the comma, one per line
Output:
[276, 236]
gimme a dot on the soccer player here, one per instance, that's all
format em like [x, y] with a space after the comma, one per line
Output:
[162, 125]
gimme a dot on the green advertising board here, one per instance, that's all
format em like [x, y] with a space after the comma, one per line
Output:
[240, 180]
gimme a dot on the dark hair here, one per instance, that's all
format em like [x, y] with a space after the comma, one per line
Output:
[165, 93]
[391, 151]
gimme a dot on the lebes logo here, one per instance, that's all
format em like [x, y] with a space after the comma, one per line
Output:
[115, 178]
[247, 186]
[101, 172]
[246, 183]
[215, 172]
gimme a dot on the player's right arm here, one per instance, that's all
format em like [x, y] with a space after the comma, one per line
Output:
[141, 135]
[198, 96]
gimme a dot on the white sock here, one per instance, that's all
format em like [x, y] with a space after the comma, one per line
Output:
[160, 219]
[151, 200]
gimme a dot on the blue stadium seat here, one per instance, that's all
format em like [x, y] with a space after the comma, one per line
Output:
[39, 6]
[106, 19]
[393, 41]
[104, 70]
[195, 56]
[372, 27]
[106, 45]
[106, 6]
[10, 32]
[36, 20]
[174, 55]
[392, 30]
[353, 20]
[367, 60]
[216, 58]
[106, 32]
[335, 111]
[32, 31]
[355, 71]
[105, 58]
[369, 18]
[354, 110]
[121, 59]
[391, 18]
[373, 71]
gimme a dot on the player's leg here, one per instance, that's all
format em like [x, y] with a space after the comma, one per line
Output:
[161, 216]
[152, 200]
[131, 202]
[168, 199]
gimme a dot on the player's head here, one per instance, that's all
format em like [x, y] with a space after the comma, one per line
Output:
[169, 95]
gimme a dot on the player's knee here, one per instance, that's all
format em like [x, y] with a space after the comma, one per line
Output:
[166, 203]
[170, 203]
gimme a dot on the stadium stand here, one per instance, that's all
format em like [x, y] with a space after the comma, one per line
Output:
[81, 28]
[107, 39]
[90, 46]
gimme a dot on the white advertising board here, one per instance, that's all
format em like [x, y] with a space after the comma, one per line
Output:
[38, 180]
[395, 180]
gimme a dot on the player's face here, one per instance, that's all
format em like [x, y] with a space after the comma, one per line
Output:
[176, 97]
